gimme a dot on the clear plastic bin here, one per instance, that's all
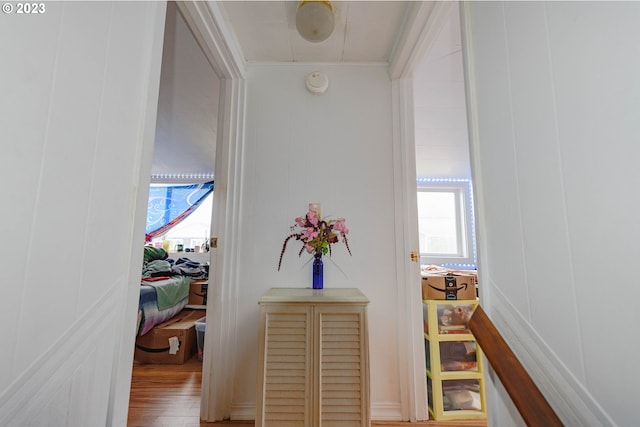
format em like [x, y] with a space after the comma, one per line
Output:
[200, 325]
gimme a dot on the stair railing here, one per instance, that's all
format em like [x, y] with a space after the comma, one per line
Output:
[532, 405]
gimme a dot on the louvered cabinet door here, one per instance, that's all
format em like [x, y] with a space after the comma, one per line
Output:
[313, 358]
[342, 373]
[285, 383]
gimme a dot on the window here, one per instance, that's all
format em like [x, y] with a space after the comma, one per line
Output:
[179, 215]
[445, 223]
[193, 230]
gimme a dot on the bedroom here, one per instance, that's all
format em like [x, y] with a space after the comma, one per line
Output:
[176, 253]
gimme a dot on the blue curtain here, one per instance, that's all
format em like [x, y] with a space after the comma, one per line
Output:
[168, 205]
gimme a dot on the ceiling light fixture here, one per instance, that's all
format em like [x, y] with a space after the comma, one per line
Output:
[315, 20]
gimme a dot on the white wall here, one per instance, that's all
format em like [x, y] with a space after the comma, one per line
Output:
[555, 135]
[77, 133]
[441, 138]
[335, 149]
[185, 142]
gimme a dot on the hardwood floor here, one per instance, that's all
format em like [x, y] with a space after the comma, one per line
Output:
[166, 395]
[169, 396]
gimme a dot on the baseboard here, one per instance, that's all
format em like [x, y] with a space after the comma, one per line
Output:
[571, 401]
[243, 411]
[386, 411]
[379, 412]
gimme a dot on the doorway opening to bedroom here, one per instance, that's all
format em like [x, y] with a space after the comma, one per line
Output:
[446, 224]
[174, 278]
[443, 163]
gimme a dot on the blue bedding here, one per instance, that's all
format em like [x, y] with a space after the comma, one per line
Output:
[174, 294]
[161, 298]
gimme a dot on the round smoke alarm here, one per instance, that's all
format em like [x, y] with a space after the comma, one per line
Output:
[317, 82]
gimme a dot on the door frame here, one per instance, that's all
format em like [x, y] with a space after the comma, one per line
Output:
[423, 28]
[206, 20]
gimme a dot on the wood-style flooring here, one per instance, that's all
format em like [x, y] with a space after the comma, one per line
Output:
[169, 396]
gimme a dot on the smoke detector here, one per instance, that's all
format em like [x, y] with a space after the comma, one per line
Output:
[317, 82]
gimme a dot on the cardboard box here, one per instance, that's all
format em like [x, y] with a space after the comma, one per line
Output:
[198, 292]
[171, 342]
[438, 287]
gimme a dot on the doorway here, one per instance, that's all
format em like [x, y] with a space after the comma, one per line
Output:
[445, 208]
[204, 20]
[184, 154]
[207, 24]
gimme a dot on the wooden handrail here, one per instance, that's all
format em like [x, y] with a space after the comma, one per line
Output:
[533, 407]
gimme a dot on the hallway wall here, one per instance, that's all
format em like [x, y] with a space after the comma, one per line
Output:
[335, 149]
[79, 89]
[554, 104]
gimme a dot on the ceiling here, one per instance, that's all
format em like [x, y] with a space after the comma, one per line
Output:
[365, 32]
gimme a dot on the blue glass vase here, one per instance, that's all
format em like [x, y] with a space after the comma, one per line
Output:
[317, 271]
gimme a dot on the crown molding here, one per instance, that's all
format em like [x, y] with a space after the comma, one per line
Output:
[219, 44]
[423, 23]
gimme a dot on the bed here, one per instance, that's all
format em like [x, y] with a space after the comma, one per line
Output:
[164, 287]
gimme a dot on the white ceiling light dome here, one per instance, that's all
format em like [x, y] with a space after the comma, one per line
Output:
[315, 20]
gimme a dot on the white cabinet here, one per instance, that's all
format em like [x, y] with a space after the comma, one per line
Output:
[313, 358]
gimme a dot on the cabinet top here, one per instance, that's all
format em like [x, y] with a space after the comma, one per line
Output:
[330, 295]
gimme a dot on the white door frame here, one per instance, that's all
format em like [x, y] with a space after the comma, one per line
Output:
[207, 22]
[423, 27]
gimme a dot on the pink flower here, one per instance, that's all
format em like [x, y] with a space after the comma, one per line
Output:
[312, 217]
[309, 234]
[341, 226]
[316, 234]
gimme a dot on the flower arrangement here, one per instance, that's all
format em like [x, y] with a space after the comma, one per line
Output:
[317, 234]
